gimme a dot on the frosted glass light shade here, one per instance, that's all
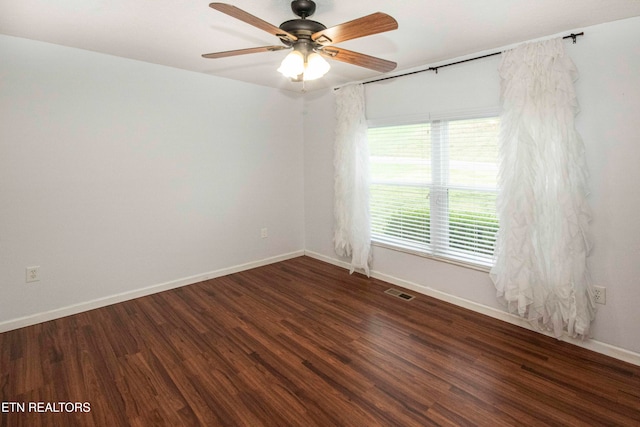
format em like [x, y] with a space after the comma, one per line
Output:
[316, 67]
[292, 65]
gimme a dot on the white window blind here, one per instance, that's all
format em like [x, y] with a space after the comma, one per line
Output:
[434, 187]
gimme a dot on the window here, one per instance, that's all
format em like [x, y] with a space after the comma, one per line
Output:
[434, 187]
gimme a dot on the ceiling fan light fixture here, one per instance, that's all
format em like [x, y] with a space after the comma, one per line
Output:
[299, 65]
[316, 67]
[292, 65]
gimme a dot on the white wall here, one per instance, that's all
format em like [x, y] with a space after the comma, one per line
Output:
[116, 175]
[609, 122]
[608, 58]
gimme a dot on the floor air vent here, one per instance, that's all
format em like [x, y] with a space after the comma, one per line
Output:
[399, 294]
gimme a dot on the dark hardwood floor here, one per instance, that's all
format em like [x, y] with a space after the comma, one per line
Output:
[302, 343]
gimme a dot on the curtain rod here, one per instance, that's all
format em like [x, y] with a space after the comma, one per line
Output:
[570, 36]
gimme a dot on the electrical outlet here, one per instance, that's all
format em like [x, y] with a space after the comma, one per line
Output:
[600, 294]
[264, 233]
[33, 274]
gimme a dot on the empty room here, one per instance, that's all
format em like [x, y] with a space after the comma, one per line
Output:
[299, 213]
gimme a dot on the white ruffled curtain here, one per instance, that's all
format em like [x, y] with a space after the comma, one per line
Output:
[352, 236]
[540, 269]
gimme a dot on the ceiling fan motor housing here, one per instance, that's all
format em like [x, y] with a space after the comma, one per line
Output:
[302, 28]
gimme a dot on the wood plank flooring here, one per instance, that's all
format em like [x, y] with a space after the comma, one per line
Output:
[303, 343]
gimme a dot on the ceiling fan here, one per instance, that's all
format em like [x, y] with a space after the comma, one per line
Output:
[311, 41]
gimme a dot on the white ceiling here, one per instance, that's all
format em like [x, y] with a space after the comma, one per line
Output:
[175, 33]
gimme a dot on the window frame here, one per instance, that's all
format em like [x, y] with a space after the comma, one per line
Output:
[431, 118]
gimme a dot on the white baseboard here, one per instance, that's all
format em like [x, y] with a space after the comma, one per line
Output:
[590, 344]
[21, 322]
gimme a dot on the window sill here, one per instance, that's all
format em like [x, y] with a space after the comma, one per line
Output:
[421, 254]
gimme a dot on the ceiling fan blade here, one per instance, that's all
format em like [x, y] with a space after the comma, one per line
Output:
[367, 25]
[243, 51]
[360, 59]
[252, 20]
